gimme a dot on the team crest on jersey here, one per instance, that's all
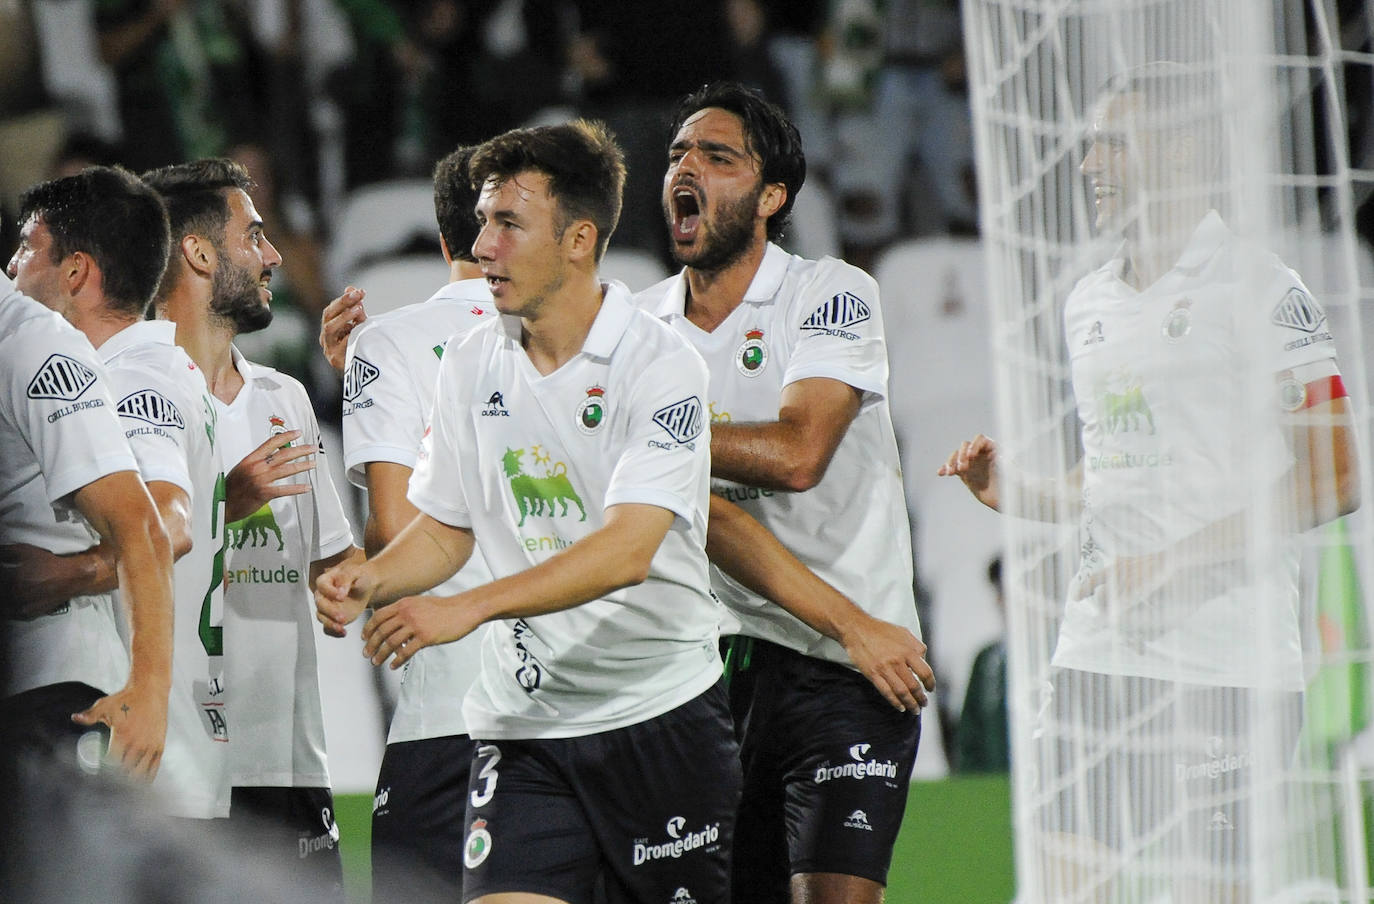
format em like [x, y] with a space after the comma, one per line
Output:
[151, 406]
[61, 378]
[681, 420]
[752, 357]
[1179, 321]
[546, 496]
[1299, 311]
[277, 426]
[838, 314]
[478, 845]
[591, 414]
[360, 373]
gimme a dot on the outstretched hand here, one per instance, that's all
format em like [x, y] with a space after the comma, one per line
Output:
[253, 482]
[975, 463]
[337, 321]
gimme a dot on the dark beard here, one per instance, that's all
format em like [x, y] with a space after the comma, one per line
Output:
[729, 238]
[234, 298]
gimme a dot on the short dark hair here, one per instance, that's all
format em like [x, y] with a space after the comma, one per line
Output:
[454, 200]
[768, 134]
[584, 165]
[197, 199]
[107, 213]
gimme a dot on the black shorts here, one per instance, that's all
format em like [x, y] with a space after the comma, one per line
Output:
[647, 810]
[293, 828]
[1160, 770]
[827, 763]
[417, 820]
[39, 721]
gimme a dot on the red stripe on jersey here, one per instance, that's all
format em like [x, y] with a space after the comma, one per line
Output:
[1319, 392]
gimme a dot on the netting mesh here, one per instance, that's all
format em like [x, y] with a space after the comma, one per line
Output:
[1166, 201]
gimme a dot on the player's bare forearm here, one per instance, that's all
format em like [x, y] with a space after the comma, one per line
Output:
[1001, 488]
[793, 452]
[425, 553]
[616, 555]
[37, 582]
[1325, 479]
[891, 657]
[388, 509]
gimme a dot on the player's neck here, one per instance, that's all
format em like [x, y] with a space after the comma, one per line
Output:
[99, 323]
[713, 295]
[208, 343]
[559, 331]
[459, 270]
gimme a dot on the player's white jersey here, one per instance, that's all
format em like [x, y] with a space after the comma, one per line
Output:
[165, 407]
[530, 463]
[269, 611]
[802, 319]
[393, 361]
[1179, 394]
[58, 433]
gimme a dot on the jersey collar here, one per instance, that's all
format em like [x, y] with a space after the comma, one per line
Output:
[465, 290]
[610, 324]
[763, 288]
[1209, 235]
[144, 332]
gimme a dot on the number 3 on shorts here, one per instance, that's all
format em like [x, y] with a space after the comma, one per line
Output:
[490, 754]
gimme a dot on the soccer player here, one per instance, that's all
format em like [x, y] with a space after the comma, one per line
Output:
[69, 472]
[418, 832]
[1206, 384]
[285, 521]
[605, 744]
[164, 405]
[802, 441]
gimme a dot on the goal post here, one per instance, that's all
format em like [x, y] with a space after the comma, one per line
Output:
[1178, 299]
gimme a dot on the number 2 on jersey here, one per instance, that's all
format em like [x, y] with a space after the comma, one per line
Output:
[212, 636]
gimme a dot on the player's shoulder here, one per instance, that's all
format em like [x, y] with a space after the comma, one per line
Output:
[457, 306]
[28, 328]
[651, 344]
[826, 287]
[272, 382]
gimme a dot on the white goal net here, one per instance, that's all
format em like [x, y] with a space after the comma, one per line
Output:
[1180, 307]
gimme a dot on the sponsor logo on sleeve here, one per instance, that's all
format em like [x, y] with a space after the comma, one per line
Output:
[152, 407]
[61, 378]
[836, 316]
[683, 421]
[1299, 311]
[360, 373]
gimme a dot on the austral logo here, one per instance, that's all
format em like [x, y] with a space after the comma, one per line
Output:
[61, 378]
[683, 421]
[1299, 311]
[496, 406]
[360, 373]
[153, 407]
[838, 314]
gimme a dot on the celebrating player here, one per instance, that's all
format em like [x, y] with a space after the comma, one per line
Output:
[605, 745]
[1214, 425]
[285, 521]
[801, 441]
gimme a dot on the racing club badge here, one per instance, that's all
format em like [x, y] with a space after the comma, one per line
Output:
[753, 354]
[591, 414]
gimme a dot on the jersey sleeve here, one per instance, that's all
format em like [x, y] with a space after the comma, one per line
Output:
[1298, 325]
[436, 485]
[666, 459]
[839, 331]
[383, 418]
[59, 395]
[154, 412]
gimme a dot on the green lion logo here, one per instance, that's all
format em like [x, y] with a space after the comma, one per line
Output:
[533, 495]
[255, 530]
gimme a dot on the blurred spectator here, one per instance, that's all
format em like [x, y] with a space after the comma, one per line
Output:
[185, 74]
[630, 62]
[903, 127]
[794, 30]
[983, 743]
[749, 54]
[80, 150]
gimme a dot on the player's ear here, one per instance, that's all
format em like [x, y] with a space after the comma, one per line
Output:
[772, 198]
[78, 270]
[443, 247]
[580, 240]
[199, 254]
